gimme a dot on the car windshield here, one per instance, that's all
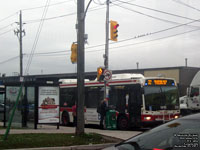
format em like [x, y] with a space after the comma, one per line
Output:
[175, 135]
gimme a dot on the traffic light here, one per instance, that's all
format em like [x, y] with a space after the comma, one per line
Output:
[100, 73]
[113, 30]
[74, 53]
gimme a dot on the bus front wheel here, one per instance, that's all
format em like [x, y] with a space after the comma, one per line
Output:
[122, 123]
[65, 119]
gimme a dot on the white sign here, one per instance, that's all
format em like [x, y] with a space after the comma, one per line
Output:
[107, 75]
[48, 105]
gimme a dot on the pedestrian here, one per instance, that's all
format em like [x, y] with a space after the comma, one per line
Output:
[74, 114]
[103, 109]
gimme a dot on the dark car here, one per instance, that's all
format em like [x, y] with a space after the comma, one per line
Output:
[179, 134]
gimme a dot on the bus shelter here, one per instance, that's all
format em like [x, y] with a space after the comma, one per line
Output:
[27, 110]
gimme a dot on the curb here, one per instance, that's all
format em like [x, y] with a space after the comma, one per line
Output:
[76, 147]
[114, 141]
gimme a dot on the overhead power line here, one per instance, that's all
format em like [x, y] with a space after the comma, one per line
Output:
[50, 18]
[157, 39]
[159, 31]
[6, 26]
[163, 12]
[69, 14]
[45, 6]
[139, 36]
[99, 2]
[182, 3]
[8, 16]
[92, 51]
[6, 32]
[8, 60]
[148, 41]
[61, 16]
[16, 13]
[157, 18]
[37, 36]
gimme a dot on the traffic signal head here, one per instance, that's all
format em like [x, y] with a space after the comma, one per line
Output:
[100, 73]
[113, 30]
[74, 53]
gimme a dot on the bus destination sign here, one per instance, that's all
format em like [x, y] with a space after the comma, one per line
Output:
[159, 82]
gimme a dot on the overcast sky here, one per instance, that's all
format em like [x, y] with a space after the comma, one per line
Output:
[155, 33]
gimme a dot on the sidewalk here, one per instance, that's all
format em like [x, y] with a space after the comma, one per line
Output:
[123, 135]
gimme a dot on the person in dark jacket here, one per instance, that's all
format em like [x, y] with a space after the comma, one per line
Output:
[103, 107]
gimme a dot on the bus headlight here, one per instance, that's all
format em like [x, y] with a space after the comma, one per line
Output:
[176, 117]
[147, 118]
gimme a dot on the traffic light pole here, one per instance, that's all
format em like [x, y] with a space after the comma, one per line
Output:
[80, 67]
[106, 48]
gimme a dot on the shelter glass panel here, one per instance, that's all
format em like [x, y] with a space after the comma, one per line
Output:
[31, 106]
[11, 97]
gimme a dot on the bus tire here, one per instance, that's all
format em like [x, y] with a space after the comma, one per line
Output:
[122, 123]
[65, 119]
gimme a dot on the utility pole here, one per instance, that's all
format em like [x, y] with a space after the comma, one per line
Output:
[186, 62]
[80, 67]
[106, 47]
[137, 63]
[19, 32]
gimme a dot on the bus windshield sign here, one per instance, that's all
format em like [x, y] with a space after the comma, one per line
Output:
[158, 82]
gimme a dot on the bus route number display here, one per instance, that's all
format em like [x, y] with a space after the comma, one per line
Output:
[159, 82]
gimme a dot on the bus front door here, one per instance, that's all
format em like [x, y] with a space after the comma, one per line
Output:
[134, 105]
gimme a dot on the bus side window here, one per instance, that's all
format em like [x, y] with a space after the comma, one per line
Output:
[93, 97]
[68, 97]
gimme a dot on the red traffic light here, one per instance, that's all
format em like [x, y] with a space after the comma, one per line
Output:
[113, 30]
[116, 26]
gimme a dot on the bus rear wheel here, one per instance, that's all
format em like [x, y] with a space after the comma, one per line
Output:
[122, 123]
[65, 119]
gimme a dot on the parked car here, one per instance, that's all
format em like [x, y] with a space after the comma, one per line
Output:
[179, 134]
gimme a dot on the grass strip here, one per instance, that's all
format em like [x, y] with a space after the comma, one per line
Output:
[49, 140]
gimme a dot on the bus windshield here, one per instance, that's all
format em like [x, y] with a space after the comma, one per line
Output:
[161, 98]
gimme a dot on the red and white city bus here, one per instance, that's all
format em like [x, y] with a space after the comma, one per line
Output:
[137, 100]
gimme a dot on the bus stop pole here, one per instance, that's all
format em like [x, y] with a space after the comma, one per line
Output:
[106, 48]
